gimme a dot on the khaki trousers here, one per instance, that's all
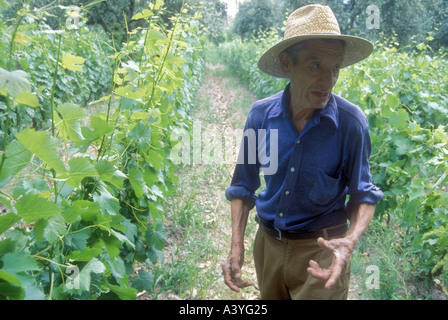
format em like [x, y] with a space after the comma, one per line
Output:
[281, 267]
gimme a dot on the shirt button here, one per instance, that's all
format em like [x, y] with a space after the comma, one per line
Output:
[298, 141]
[293, 169]
[280, 214]
[287, 192]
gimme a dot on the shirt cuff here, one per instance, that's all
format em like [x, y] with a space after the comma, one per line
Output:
[373, 196]
[237, 192]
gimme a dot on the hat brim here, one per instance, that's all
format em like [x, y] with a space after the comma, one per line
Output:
[356, 49]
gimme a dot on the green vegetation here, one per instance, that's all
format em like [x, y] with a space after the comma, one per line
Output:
[84, 193]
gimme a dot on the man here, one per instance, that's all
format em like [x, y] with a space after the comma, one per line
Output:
[302, 248]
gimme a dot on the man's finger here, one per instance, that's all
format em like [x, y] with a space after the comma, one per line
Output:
[336, 270]
[232, 277]
[324, 244]
[228, 279]
[316, 271]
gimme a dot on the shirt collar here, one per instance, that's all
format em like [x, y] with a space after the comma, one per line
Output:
[330, 111]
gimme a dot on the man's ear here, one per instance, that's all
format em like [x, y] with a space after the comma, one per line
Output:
[285, 62]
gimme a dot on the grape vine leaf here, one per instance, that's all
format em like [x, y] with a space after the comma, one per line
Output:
[80, 168]
[14, 82]
[31, 208]
[16, 158]
[44, 146]
[72, 62]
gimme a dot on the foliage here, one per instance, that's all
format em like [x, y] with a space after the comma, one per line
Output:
[84, 194]
[256, 17]
[404, 96]
[35, 54]
[427, 16]
[108, 14]
[212, 14]
[242, 57]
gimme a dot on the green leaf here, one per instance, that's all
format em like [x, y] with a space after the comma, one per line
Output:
[50, 229]
[7, 221]
[156, 158]
[16, 262]
[77, 241]
[27, 98]
[80, 168]
[72, 62]
[99, 127]
[122, 238]
[68, 116]
[124, 293]
[154, 255]
[109, 173]
[31, 208]
[129, 92]
[17, 157]
[107, 202]
[9, 277]
[85, 255]
[11, 291]
[112, 245]
[144, 281]
[94, 266]
[137, 182]
[72, 214]
[142, 133]
[22, 38]
[400, 119]
[142, 15]
[156, 236]
[81, 209]
[14, 82]
[139, 115]
[44, 146]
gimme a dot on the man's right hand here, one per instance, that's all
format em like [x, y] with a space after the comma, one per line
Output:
[231, 269]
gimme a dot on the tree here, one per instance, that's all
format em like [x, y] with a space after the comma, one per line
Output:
[401, 22]
[256, 16]
[213, 15]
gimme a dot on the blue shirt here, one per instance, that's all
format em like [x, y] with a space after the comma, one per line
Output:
[318, 173]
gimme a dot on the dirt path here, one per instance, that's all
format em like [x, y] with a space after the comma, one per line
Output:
[223, 109]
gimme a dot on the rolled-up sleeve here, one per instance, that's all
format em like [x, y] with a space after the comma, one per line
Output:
[246, 176]
[360, 186]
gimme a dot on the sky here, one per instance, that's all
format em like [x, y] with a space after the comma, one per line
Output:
[232, 7]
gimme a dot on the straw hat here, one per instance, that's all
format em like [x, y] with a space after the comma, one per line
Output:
[313, 22]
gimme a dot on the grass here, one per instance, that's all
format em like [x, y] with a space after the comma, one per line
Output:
[382, 250]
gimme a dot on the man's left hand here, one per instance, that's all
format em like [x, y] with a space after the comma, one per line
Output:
[342, 249]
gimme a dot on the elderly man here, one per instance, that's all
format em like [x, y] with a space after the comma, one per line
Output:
[303, 245]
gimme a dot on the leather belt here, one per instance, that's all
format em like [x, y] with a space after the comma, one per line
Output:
[330, 232]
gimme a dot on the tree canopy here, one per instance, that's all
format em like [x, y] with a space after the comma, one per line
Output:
[399, 22]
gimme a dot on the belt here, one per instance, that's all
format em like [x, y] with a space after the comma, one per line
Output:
[329, 232]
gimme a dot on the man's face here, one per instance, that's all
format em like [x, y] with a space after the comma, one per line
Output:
[315, 73]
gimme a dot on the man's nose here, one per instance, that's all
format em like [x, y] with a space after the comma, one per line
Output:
[329, 78]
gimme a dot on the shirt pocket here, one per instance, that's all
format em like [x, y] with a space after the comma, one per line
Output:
[325, 188]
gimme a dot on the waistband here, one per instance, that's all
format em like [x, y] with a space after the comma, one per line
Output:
[329, 232]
